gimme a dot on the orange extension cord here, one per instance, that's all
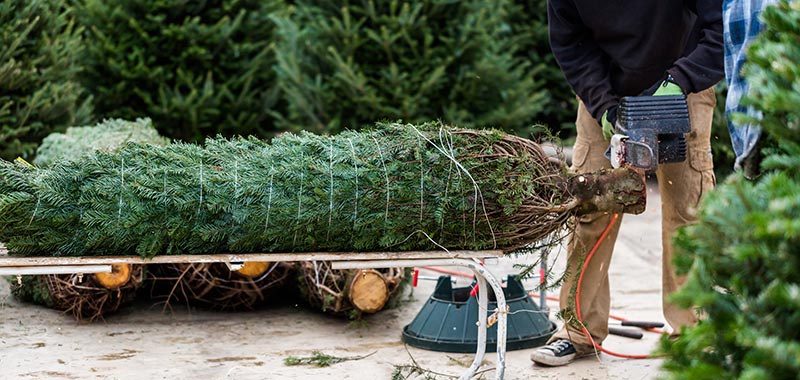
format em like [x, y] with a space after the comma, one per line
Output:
[578, 297]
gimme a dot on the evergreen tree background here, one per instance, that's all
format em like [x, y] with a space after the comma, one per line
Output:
[196, 68]
[342, 64]
[218, 67]
[39, 93]
[742, 257]
[529, 37]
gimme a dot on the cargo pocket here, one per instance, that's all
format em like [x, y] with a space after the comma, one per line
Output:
[702, 162]
[579, 154]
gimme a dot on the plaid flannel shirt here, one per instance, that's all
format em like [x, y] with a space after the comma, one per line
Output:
[741, 25]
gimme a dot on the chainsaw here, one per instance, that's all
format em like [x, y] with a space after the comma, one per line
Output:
[650, 130]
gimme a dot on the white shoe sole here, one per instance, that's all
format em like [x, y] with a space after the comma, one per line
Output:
[547, 359]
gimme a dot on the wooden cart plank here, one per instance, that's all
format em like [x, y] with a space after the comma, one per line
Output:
[53, 269]
[6, 261]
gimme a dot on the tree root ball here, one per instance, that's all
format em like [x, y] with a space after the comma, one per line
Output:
[217, 287]
[86, 297]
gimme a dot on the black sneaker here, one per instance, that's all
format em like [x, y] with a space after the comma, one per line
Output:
[559, 352]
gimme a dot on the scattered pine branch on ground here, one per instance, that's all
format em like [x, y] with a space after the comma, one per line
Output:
[417, 372]
[318, 359]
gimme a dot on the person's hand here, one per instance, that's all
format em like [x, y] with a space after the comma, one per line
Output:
[607, 121]
[668, 86]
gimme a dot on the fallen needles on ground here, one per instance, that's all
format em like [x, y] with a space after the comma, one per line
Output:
[415, 371]
[319, 359]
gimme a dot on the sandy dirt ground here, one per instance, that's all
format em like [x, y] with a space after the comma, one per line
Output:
[145, 342]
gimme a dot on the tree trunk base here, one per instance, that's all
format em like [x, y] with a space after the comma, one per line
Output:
[350, 292]
[368, 291]
[253, 269]
[617, 191]
[119, 276]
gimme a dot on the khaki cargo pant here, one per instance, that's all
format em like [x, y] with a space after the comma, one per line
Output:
[681, 186]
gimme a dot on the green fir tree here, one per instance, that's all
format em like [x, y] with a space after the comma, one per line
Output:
[344, 64]
[39, 93]
[529, 37]
[76, 142]
[196, 68]
[742, 256]
[398, 187]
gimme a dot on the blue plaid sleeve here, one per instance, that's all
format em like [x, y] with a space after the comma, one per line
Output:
[741, 25]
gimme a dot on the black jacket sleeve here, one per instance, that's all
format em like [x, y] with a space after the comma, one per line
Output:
[583, 63]
[704, 66]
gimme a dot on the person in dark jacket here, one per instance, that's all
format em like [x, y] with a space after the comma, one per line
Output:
[608, 50]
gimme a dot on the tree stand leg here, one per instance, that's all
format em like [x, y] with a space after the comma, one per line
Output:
[483, 277]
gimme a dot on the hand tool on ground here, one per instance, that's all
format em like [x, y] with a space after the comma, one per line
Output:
[649, 130]
[631, 333]
[641, 324]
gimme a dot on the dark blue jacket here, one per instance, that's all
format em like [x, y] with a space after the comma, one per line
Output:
[613, 48]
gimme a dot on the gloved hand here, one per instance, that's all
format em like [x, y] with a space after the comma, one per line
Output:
[607, 121]
[668, 86]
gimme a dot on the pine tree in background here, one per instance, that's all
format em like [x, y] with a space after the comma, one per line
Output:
[343, 64]
[742, 256]
[39, 93]
[529, 36]
[196, 68]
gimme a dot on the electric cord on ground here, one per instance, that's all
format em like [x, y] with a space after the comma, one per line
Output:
[586, 333]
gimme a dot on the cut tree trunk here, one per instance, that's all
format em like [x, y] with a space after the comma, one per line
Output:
[83, 296]
[350, 292]
[618, 190]
[253, 269]
[119, 276]
[368, 291]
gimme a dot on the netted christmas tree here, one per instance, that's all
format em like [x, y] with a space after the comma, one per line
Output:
[85, 297]
[195, 68]
[90, 297]
[350, 292]
[343, 64]
[396, 187]
[39, 93]
[742, 256]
